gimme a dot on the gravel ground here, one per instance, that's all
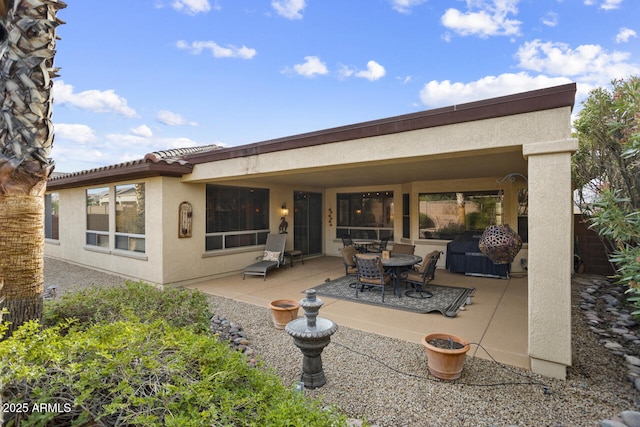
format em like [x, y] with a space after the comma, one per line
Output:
[387, 382]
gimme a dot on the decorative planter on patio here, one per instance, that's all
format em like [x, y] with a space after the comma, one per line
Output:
[445, 355]
[283, 311]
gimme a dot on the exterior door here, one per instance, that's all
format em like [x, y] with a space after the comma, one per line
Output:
[307, 222]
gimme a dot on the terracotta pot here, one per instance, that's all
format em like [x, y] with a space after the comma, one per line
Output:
[283, 311]
[445, 364]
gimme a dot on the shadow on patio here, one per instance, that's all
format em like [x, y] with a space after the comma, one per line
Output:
[497, 318]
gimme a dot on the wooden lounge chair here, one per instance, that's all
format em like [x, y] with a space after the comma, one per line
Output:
[421, 276]
[273, 257]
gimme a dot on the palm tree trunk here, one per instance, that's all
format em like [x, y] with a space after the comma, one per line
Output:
[26, 138]
[22, 249]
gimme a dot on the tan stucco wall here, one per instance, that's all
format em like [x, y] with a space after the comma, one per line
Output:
[550, 255]
[502, 133]
[71, 244]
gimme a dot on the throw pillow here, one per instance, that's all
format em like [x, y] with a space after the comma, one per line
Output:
[271, 256]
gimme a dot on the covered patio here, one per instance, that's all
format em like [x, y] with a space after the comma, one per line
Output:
[380, 177]
[496, 319]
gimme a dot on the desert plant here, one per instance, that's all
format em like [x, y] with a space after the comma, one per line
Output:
[97, 304]
[142, 374]
[605, 172]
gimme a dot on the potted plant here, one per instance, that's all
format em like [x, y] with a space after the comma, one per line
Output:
[445, 355]
[283, 311]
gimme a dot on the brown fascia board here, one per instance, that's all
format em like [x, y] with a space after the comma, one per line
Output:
[525, 102]
[138, 169]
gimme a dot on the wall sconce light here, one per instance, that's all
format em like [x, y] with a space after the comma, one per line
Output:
[283, 210]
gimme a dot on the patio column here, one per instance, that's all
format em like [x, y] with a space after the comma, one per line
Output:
[550, 255]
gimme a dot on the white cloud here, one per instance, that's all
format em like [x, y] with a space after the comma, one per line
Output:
[173, 119]
[405, 6]
[373, 72]
[311, 67]
[74, 132]
[143, 131]
[550, 19]
[588, 63]
[625, 34]
[289, 9]
[191, 7]
[345, 72]
[604, 4]
[444, 93]
[97, 101]
[490, 19]
[230, 51]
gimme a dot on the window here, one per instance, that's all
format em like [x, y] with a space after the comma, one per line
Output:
[450, 215]
[523, 214]
[129, 235]
[98, 217]
[406, 216]
[52, 216]
[236, 217]
[365, 215]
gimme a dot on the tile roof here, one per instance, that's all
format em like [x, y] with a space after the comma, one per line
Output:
[158, 163]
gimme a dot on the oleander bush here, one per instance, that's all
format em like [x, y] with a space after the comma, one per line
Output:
[136, 365]
[606, 174]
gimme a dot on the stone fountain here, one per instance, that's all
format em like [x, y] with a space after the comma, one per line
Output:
[311, 335]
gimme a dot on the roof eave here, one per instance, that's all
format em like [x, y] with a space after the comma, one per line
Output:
[110, 174]
[526, 102]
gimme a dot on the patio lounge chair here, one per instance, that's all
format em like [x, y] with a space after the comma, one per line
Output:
[273, 257]
[371, 273]
[421, 276]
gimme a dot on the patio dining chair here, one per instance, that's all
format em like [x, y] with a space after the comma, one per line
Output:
[380, 246]
[370, 273]
[347, 241]
[349, 261]
[403, 248]
[421, 276]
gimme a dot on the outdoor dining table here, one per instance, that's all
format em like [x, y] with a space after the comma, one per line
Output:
[395, 263]
[362, 244]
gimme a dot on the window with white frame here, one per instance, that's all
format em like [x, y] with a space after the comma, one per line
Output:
[97, 203]
[52, 216]
[450, 215]
[366, 215]
[236, 217]
[130, 217]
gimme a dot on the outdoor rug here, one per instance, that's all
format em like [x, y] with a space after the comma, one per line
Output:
[446, 299]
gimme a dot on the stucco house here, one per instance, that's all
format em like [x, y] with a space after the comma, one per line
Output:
[180, 216]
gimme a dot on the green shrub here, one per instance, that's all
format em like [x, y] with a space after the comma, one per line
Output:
[142, 374]
[181, 307]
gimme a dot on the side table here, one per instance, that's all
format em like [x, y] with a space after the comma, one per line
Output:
[292, 255]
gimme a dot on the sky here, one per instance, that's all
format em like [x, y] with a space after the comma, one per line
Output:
[138, 76]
